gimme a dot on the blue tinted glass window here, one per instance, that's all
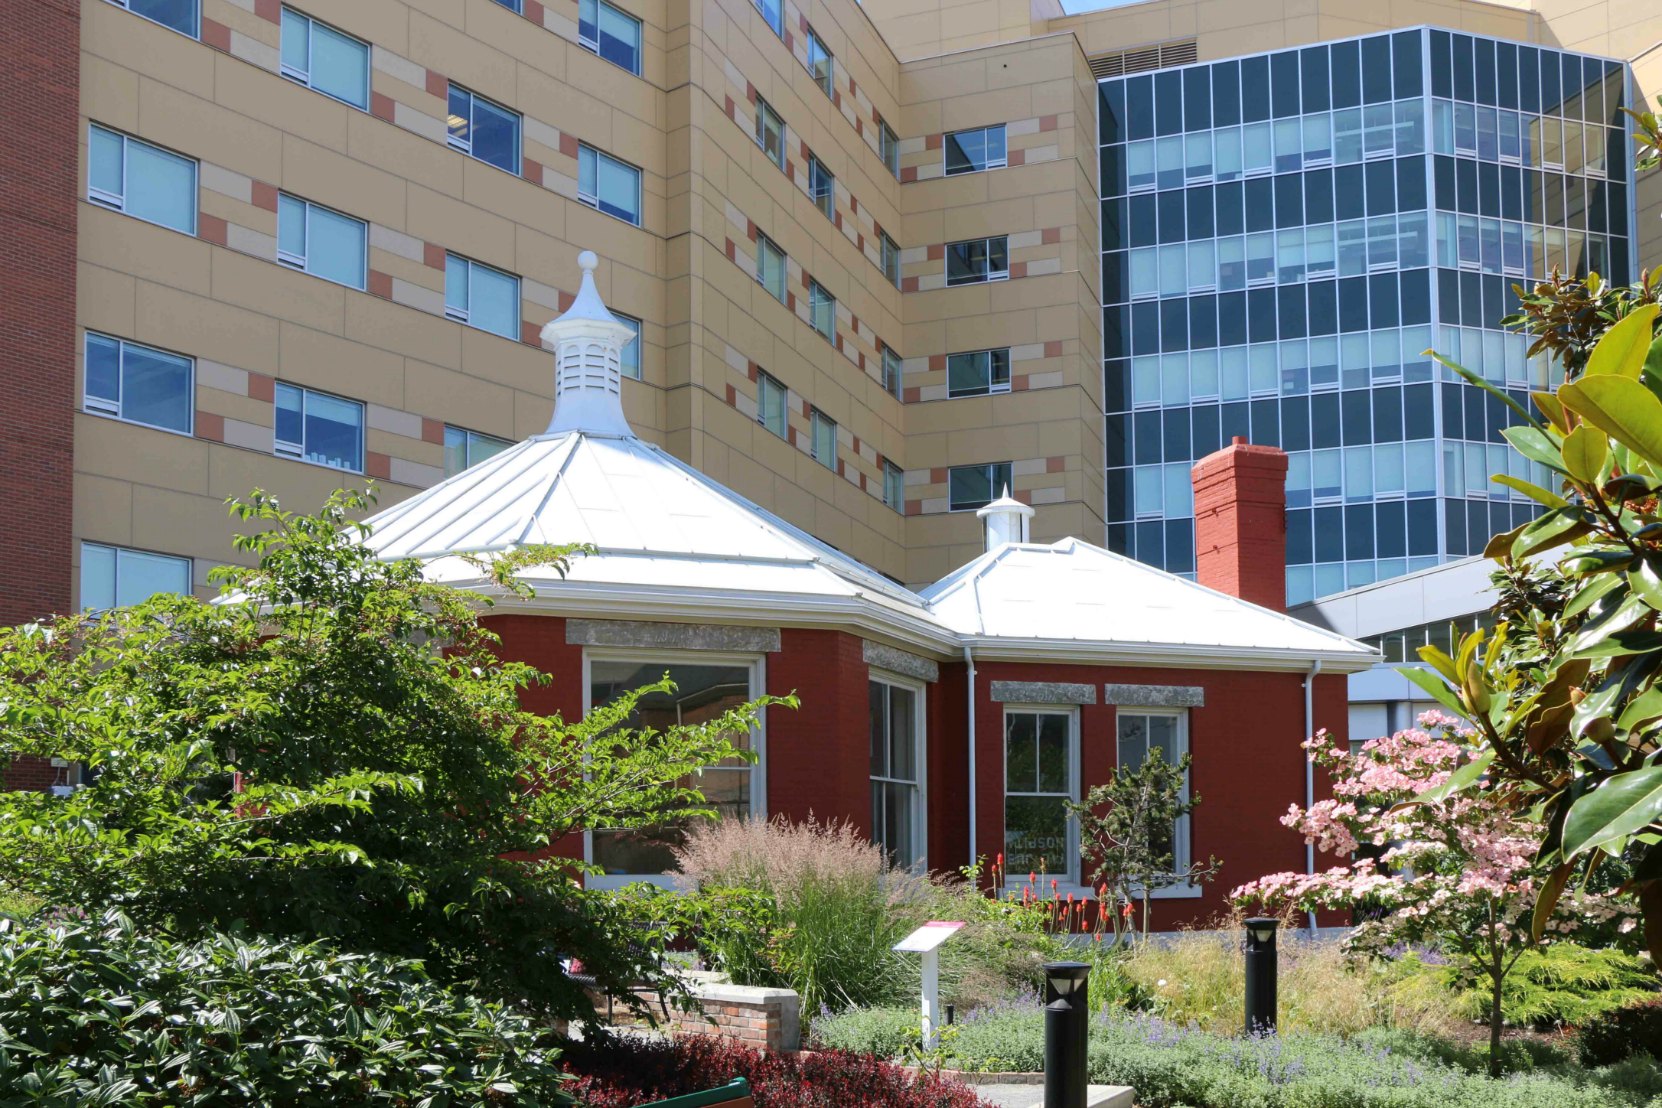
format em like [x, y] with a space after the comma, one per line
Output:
[1315, 93]
[1442, 66]
[1483, 68]
[1139, 107]
[1346, 62]
[1197, 98]
[1226, 94]
[1376, 69]
[1465, 75]
[1284, 84]
[1168, 103]
[1405, 59]
[1255, 89]
[1111, 112]
[181, 15]
[1506, 75]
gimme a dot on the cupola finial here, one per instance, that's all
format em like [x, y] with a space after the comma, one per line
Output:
[1005, 520]
[588, 341]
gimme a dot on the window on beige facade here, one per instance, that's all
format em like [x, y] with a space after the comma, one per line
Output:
[978, 372]
[820, 63]
[115, 576]
[823, 440]
[774, 12]
[140, 180]
[609, 185]
[888, 147]
[139, 384]
[770, 132]
[978, 260]
[974, 150]
[822, 310]
[611, 33]
[464, 448]
[483, 129]
[894, 486]
[183, 16]
[322, 58]
[892, 365]
[481, 297]
[318, 428]
[630, 363]
[770, 267]
[771, 399]
[322, 241]
[822, 187]
[972, 487]
[891, 257]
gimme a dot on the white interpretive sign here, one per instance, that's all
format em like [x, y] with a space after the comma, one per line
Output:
[927, 941]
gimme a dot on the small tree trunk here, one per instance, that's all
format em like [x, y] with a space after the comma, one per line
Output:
[1494, 1022]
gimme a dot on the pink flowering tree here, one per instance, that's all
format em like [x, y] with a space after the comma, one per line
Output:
[1435, 858]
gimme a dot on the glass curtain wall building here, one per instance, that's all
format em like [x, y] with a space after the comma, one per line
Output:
[1283, 238]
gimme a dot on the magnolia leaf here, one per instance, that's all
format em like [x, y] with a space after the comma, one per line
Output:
[1653, 360]
[1621, 644]
[1499, 547]
[1432, 684]
[1592, 592]
[1547, 900]
[1552, 409]
[1534, 492]
[1551, 530]
[1646, 584]
[1458, 781]
[1623, 348]
[1628, 411]
[1624, 805]
[1536, 445]
[1586, 450]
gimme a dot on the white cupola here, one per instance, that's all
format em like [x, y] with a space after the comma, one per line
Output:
[1005, 520]
[588, 342]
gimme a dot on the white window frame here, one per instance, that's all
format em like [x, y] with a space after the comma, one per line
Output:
[894, 473]
[946, 166]
[816, 419]
[465, 315]
[920, 732]
[991, 274]
[777, 19]
[888, 251]
[465, 145]
[757, 665]
[826, 297]
[764, 110]
[118, 203]
[888, 147]
[764, 382]
[828, 83]
[894, 369]
[113, 409]
[115, 581]
[195, 34]
[593, 199]
[302, 261]
[1068, 880]
[593, 45]
[996, 492]
[1182, 839]
[305, 79]
[993, 387]
[629, 364]
[293, 455]
[822, 187]
[763, 243]
[468, 437]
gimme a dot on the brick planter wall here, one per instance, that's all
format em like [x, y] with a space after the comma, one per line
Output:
[767, 1018]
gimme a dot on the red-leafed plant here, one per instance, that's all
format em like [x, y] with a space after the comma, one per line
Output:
[619, 1073]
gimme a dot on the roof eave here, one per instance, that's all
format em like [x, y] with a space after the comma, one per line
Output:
[1166, 655]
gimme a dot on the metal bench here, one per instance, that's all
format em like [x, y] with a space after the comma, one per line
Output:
[734, 1094]
[589, 982]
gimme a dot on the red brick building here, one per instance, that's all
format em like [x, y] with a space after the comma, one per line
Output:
[948, 724]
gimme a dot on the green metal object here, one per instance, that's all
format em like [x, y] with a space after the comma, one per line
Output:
[735, 1090]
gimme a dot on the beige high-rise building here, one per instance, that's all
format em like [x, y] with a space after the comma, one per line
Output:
[304, 246]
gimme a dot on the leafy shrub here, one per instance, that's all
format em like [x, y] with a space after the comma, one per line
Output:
[1171, 1065]
[1563, 984]
[1629, 1031]
[883, 1032]
[104, 1013]
[618, 1073]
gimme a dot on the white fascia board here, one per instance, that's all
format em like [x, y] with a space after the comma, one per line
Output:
[1167, 655]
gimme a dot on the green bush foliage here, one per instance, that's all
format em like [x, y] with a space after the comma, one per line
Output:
[1172, 1066]
[107, 1013]
[1626, 1032]
[1563, 984]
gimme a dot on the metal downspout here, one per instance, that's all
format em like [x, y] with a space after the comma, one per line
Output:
[1310, 771]
[969, 663]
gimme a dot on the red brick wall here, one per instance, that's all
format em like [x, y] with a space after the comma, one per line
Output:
[40, 75]
[819, 756]
[1241, 523]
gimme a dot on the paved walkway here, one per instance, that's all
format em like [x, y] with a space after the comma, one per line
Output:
[1033, 1096]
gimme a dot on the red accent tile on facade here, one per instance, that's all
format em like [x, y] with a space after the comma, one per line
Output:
[380, 284]
[437, 85]
[432, 255]
[377, 465]
[432, 430]
[261, 387]
[269, 10]
[210, 426]
[216, 35]
[210, 228]
[263, 196]
[381, 106]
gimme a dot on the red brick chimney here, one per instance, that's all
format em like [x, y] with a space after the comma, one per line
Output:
[1241, 522]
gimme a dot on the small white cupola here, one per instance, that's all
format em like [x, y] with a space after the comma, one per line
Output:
[1005, 520]
[588, 346]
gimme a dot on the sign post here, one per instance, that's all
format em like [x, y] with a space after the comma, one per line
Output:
[927, 941]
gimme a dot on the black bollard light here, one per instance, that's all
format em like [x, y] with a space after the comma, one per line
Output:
[1260, 975]
[1067, 1033]
[949, 1015]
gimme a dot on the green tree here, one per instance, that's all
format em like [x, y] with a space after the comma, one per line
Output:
[1127, 834]
[333, 750]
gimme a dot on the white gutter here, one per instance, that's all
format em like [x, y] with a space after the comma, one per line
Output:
[969, 664]
[1310, 771]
